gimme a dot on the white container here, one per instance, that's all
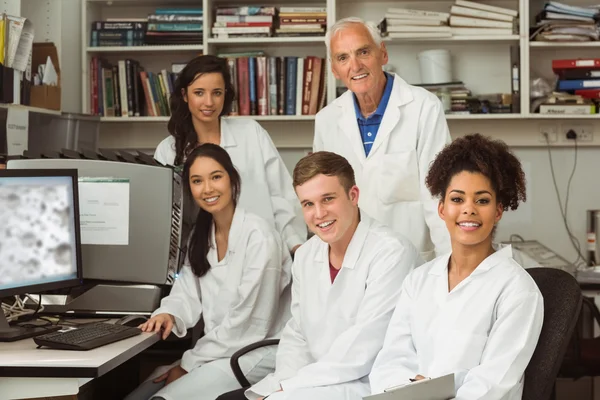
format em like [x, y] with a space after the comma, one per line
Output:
[435, 66]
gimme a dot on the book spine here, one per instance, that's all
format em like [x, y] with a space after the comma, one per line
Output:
[116, 90]
[243, 85]
[272, 66]
[299, 84]
[174, 27]
[282, 87]
[232, 64]
[307, 83]
[252, 85]
[290, 100]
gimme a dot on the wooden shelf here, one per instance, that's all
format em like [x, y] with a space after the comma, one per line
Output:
[30, 109]
[134, 119]
[273, 118]
[128, 49]
[484, 116]
[565, 44]
[553, 116]
[461, 39]
[268, 40]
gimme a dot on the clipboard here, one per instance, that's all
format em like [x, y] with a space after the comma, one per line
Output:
[440, 388]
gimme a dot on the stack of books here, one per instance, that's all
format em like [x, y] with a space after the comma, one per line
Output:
[174, 26]
[302, 21]
[118, 32]
[125, 89]
[403, 23]
[245, 21]
[559, 22]
[276, 85]
[463, 102]
[468, 18]
[577, 88]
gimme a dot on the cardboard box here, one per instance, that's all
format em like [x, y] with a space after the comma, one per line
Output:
[45, 96]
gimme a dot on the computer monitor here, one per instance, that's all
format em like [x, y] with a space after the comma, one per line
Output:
[131, 234]
[40, 247]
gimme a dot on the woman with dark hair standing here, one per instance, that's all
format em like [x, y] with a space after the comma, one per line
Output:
[203, 94]
[236, 277]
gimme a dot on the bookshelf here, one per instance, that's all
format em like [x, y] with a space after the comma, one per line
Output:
[482, 62]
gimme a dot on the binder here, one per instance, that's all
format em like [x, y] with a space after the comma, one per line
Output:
[558, 65]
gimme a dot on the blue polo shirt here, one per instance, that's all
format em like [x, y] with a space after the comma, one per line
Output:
[369, 126]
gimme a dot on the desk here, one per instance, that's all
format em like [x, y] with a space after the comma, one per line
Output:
[28, 372]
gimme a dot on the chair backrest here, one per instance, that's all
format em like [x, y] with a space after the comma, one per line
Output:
[562, 305]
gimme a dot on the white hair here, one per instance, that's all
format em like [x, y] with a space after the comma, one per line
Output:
[347, 22]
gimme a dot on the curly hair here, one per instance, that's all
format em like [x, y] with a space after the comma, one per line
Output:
[180, 124]
[477, 153]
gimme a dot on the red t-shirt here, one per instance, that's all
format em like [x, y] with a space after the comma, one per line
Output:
[333, 272]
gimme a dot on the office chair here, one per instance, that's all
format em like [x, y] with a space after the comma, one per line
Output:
[235, 364]
[583, 356]
[562, 305]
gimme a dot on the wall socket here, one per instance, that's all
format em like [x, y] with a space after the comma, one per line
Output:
[551, 130]
[585, 133]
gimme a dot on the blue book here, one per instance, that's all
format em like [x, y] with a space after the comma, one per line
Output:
[574, 84]
[290, 82]
[179, 11]
[252, 83]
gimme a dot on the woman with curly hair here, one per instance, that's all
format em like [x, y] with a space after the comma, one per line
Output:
[203, 93]
[475, 312]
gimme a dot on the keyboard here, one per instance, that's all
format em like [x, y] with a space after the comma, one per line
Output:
[86, 337]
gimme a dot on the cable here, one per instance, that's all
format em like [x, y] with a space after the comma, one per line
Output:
[514, 235]
[572, 238]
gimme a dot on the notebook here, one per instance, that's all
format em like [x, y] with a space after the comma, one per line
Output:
[441, 388]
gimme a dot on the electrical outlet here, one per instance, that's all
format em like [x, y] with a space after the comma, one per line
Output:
[585, 133]
[550, 130]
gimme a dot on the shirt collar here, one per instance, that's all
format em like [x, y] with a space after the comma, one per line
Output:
[382, 104]
[502, 253]
[227, 139]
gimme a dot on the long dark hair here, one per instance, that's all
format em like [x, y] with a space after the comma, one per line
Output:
[200, 238]
[180, 124]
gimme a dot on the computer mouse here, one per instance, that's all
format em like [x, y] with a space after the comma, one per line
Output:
[132, 320]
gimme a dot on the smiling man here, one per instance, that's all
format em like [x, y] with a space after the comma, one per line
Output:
[389, 131]
[346, 281]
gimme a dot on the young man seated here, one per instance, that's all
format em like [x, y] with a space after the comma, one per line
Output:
[345, 283]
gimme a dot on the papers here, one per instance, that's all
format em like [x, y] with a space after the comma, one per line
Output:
[104, 210]
[18, 43]
[46, 74]
[17, 130]
[440, 388]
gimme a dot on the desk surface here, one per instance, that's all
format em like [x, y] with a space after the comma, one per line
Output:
[23, 359]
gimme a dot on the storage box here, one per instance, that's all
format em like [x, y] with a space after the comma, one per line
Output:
[45, 96]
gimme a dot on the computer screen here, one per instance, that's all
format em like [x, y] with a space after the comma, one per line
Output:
[127, 215]
[39, 232]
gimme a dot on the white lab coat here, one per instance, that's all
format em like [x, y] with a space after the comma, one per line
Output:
[337, 329]
[484, 331]
[267, 188]
[244, 298]
[392, 178]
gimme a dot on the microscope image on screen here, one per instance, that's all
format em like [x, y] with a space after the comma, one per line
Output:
[36, 235]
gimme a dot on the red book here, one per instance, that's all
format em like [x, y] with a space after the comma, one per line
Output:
[558, 65]
[588, 93]
[243, 85]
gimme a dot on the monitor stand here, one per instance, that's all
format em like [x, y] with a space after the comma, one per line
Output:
[105, 299]
[13, 333]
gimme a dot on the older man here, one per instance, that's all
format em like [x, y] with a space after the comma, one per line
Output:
[389, 131]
